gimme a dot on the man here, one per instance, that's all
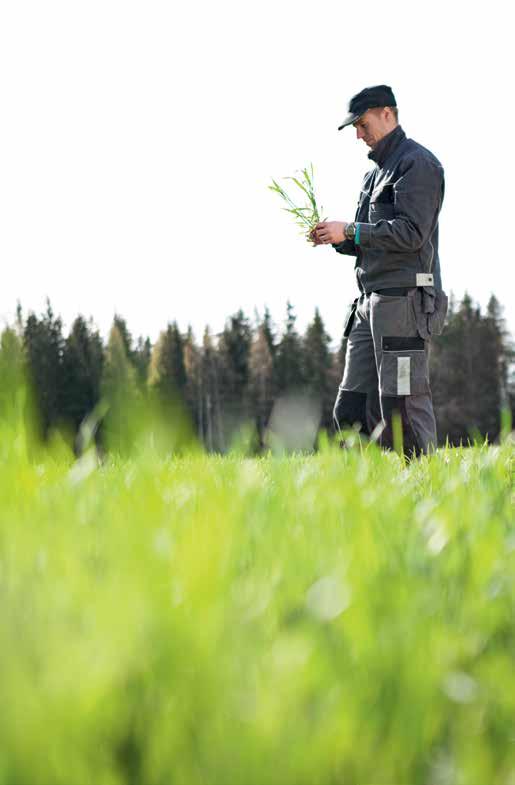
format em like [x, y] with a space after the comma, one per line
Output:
[394, 238]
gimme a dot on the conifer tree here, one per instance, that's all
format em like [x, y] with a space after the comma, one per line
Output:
[335, 376]
[120, 391]
[234, 348]
[82, 364]
[261, 379]
[289, 360]
[12, 374]
[44, 344]
[317, 366]
[211, 412]
[451, 368]
[269, 331]
[233, 354]
[142, 355]
[496, 355]
[167, 374]
[172, 428]
[490, 379]
[193, 389]
[121, 325]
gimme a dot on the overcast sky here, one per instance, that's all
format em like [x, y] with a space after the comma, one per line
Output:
[138, 140]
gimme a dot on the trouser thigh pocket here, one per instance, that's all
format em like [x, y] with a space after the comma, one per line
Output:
[404, 366]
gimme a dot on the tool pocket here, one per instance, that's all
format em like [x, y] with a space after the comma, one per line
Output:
[429, 307]
[404, 366]
[437, 318]
[349, 319]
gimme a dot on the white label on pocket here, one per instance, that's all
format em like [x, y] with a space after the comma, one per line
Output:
[425, 279]
[403, 373]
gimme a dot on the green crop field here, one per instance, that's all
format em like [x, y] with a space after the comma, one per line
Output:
[340, 617]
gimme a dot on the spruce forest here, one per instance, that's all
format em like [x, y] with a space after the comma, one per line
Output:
[227, 384]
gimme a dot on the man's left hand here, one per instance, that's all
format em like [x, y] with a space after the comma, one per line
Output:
[330, 231]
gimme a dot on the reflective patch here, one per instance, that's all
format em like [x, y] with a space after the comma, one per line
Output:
[403, 376]
[425, 279]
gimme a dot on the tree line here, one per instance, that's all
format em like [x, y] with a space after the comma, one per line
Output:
[214, 387]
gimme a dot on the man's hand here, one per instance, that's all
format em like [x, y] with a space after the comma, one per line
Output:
[329, 232]
[314, 237]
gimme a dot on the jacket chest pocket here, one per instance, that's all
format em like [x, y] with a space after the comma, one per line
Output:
[362, 208]
[381, 204]
[381, 211]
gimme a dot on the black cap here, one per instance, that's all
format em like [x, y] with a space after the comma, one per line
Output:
[369, 98]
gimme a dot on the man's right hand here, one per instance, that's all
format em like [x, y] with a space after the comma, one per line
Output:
[330, 232]
[314, 237]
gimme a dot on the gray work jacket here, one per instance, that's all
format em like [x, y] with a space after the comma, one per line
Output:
[398, 215]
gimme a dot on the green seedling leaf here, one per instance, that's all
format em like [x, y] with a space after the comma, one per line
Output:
[306, 214]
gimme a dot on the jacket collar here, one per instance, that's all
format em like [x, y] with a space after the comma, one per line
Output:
[387, 145]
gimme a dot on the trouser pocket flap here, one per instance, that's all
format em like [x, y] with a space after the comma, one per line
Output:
[400, 344]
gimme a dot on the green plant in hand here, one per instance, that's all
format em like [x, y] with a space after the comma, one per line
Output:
[308, 214]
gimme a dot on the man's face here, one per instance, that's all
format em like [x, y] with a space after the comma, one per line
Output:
[373, 125]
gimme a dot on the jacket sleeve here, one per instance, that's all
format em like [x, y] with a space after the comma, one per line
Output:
[417, 198]
[347, 247]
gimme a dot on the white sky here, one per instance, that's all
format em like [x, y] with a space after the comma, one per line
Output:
[137, 141]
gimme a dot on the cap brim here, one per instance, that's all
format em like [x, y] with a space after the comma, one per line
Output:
[351, 118]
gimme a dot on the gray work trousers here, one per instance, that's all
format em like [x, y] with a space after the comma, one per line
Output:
[386, 372]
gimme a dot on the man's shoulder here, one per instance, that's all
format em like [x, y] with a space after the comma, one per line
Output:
[414, 151]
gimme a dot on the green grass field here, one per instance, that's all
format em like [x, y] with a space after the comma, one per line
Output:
[323, 619]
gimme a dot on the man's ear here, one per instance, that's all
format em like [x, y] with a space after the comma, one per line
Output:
[388, 115]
